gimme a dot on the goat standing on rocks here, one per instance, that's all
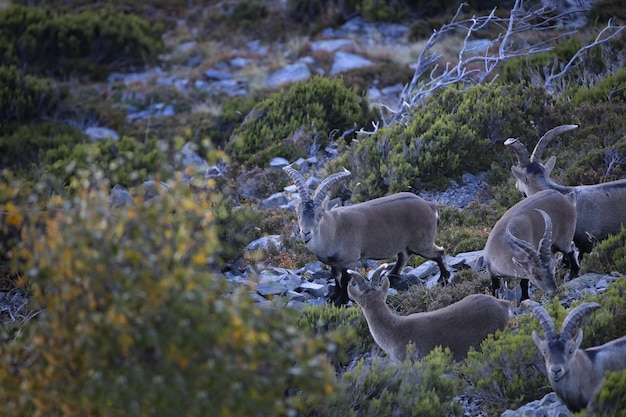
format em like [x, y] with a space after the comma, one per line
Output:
[575, 374]
[459, 326]
[601, 208]
[521, 243]
[399, 224]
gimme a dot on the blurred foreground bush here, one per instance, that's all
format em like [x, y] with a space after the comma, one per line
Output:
[132, 320]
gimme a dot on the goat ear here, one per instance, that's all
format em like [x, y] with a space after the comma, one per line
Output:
[549, 166]
[579, 338]
[519, 173]
[353, 292]
[384, 285]
[326, 203]
[519, 263]
[537, 339]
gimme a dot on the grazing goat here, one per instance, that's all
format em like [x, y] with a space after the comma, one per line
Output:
[575, 374]
[400, 224]
[600, 208]
[460, 326]
[522, 242]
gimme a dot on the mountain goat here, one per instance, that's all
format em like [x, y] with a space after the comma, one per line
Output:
[400, 224]
[459, 326]
[521, 243]
[600, 208]
[575, 374]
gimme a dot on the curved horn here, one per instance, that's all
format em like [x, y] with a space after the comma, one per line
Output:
[572, 321]
[358, 278]
[523, 245]
[377, 274]
[545, 139]
[545, 245]
[326, 185]
[298, 179]
[542, 315]
[520, 150]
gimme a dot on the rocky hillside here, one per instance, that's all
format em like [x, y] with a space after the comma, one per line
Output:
[146, 217]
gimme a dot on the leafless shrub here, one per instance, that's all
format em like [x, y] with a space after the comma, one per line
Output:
[430, 75]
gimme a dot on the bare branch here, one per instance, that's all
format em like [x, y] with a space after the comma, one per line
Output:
[601, 38]
[429, 76]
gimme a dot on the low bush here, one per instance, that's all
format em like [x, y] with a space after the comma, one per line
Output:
[609, 255]
[456, 131]
[382, 387]
[90, 43]
[126, 161]
[133, 321]
[609, 401]
[509, 371]
[25, 97]
[345, 328]
[25, 146]
[297, 122]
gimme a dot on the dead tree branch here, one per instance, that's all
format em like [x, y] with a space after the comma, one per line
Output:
[429, 76]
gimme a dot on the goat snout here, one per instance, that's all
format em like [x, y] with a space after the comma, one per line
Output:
[557, 372]
[306, 236]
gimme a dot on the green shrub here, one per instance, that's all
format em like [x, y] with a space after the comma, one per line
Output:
[125, 161]
[384, 10]
[133, 321]
[610, 88]
[383, 387]
[295, 123]
[27, 145]
[610, 400]
[609, 255]
[24, 97]
[455, 131]
[509, 370]
[90, 43]
[609, 322]
[346, 328]
[527, 67]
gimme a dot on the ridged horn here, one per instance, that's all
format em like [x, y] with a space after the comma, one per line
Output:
[327, 184]
[520, 150]
[545, 139]
[377, 274]
[545, 245]
[542, 315]
[527, 247]
[299, 181]
[573, 319]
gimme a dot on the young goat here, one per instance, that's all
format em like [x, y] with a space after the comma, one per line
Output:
[600, 207]
[460, 326]
[400, 224]
[575, 374]
[521, 243]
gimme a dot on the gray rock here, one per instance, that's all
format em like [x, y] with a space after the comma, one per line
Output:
[270, 288]
[263, 243]
[274, 201]
[331, 45]
[215, 75]
[289, 74]
[316, 290]
[100, 133]
[548, 406]
[345, 61]
[278, 162]
[120, 197]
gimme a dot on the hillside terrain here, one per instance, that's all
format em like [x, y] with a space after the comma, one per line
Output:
[149, 246]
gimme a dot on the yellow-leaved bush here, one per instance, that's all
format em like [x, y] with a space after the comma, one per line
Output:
[135, 320]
